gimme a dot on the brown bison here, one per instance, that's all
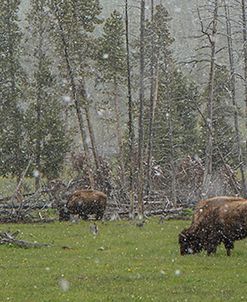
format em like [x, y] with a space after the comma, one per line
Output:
[205, 206]
[216, 220]
[84, 203]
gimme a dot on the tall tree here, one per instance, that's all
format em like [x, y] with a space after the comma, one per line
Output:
[244, 31]
[141, 104]
[157, 42]
[130, 113]
[210, 31]
[224, 132]
[111, 60]
[151, 108]
[45, 123]
[14, 150]
[73, 23]
[233, 95]
[176, 118]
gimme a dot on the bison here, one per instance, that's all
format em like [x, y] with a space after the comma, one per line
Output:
[216, 220]
[84, 203]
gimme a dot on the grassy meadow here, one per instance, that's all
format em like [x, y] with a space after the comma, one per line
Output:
[122, 263]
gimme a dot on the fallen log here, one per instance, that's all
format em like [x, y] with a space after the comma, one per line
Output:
[10, 239]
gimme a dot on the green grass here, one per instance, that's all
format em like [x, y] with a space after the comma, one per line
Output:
[123, 263]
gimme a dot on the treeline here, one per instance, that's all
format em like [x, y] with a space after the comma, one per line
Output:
[69, 70]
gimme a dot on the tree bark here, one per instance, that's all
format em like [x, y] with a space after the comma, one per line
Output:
[118, 130]
[151, 109]
[130, 115]
[90, 126]
[140, 126]
[172, 163]
[38, 106]
[209, 148]
[244, 30]
[233, 97]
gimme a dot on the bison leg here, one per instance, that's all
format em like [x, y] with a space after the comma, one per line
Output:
[228, 246]
[83, 215]
[64, 214]
[99, 215]
[211, 250]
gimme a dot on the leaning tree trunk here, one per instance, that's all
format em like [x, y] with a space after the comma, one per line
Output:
[130, 115]
[76, 101]
[140, 126]
[85, 105]
[233, 97]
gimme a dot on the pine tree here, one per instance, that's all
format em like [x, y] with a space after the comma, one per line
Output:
[73, 22]
[157, 32]
[175, 94]
[223, 132]
[45, 123]
[13, 147]
[112, 66]
[111, 55]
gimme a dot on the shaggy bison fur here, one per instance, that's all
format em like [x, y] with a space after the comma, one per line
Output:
[84, 203]
[215, 221]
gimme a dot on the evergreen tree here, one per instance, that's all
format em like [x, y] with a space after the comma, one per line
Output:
[111, 55]
[45, 122]
[112, 66]
[175, 128]
[176, 109]
[73, 23]
[223, 132]
[13, 147]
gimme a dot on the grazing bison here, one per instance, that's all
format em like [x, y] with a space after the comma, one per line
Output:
[216, 220]
[84, 203]
[205, 206]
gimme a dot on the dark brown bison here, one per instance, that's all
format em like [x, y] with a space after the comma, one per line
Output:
[205, 206]
[84, 203]
[216, 220]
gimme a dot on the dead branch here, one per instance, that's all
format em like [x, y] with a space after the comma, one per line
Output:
[10, 239]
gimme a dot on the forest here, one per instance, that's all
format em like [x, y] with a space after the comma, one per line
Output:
[106, 102]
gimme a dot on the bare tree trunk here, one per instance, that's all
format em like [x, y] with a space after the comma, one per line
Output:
[244, 26]
[172, 163]
[118, 131]
[140, 126]
[85, 105]
[10, 50]
[151, 109]
[38, 140]
[38, 109]
[76, 101]
[209, 148]
[17, 193]
[130, 115]
[233, 182]
[233, 97]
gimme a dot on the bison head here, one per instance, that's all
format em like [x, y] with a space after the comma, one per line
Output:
[189, 243]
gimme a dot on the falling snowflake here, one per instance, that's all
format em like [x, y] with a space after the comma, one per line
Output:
[177, 272]
[35, 173]
[66, 99]
[64, 284]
